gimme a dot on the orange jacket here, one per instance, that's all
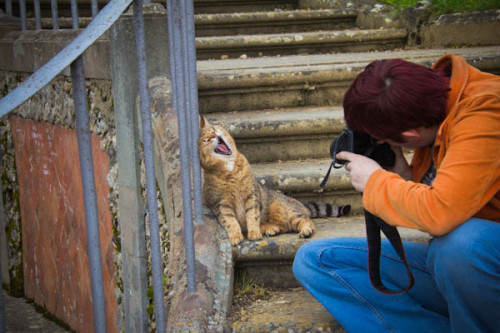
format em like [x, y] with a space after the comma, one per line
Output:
[467, 157]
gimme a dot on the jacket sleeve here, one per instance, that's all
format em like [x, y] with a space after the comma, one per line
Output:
[467, 178]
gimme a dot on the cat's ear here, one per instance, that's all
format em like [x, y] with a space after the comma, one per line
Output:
[203, 122]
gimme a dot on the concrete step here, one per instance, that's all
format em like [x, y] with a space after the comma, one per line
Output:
[350, 40]
[282, 134]
[301, 180]
[269, 261]
[283, 310]
[307, 80]
[239, 6]
[273, 22]
[270, 22]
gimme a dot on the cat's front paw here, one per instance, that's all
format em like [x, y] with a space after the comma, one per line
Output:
[306, 232]
[306, 228]
[236, 238]
[270, 229]
[254, 235]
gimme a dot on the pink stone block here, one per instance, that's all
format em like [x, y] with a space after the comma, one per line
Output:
[56, 265]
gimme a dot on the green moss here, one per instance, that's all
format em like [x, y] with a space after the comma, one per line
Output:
[10, 198]
[150, 293]
[439, 7]
[17, 281]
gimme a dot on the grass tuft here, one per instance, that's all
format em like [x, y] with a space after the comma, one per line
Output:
[448, 6]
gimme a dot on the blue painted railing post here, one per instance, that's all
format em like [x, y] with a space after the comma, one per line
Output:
[2, 309]
[88, 184]
[22, 11]
[178, 56]
[147, 137]
[192, 95]
[89, 194]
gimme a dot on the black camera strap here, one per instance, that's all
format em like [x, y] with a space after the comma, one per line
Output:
[384, 155]
[374, 225]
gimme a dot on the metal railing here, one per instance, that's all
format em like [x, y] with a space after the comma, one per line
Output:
[53, 8]
[184, 88]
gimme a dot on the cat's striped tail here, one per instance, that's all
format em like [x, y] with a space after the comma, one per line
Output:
[322, 210]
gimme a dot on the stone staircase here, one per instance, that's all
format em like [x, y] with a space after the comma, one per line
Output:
[286, 32]
[274, 75]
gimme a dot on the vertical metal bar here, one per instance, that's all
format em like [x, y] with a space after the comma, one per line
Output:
[38, 15]
[147, 136]
[171, 47]
[74, 14]
[178, 53]
[8, 7]
[2, 255]
[55, 14]
[185, 86]
[95, 8]
[22, 11]
[2, 308]
[89, 194]
[193, 97]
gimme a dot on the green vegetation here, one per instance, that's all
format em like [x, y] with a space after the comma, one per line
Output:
[150, 293]
[447, 6]
[246, 286]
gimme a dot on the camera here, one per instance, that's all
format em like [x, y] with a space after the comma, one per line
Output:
[362, 144]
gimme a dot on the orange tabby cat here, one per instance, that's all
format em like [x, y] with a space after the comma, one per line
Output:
[240, 202]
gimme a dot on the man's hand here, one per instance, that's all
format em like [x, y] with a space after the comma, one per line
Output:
[360, 167]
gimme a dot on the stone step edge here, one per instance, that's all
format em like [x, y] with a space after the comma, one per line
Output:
[272, 71]
[202, 21]
[280, 122]
[288, 39]
[218, 6]
[296, 176]
[301, 176]
[284, 16]
[283, 247]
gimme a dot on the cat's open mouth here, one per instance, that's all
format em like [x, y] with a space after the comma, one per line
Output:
[222, 147]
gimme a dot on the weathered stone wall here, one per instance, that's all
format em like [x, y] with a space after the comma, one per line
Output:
[54, 105]
[462, 30]
[425, 29]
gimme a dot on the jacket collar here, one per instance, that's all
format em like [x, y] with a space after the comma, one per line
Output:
[458, 81]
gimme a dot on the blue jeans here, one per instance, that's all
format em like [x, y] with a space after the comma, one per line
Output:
[457, 282]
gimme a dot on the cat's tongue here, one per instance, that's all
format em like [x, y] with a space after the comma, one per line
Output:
[222, 149]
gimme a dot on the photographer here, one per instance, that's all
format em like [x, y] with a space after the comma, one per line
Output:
[450, 114]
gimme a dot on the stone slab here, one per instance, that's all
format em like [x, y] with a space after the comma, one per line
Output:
[232, 6]
[224, 24]
[349, 40]
[305, 80]
[55, 259]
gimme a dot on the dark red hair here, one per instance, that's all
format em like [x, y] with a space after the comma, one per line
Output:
[392, 96]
